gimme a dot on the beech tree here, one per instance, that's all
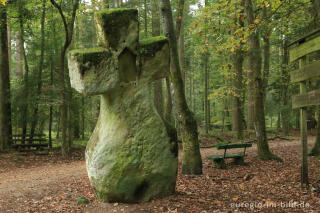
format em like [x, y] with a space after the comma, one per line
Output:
[68, 27]
[191, 161]
[5, 100]
[254, 67]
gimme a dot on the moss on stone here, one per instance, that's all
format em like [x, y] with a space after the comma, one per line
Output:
[148, 47]
[112, 23]
[152, 40]
[113, 11]
[90, 57]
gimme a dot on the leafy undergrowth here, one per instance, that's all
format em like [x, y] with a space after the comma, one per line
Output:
[257, 186]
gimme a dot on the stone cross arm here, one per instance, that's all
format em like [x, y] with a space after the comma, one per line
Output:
[120, 59]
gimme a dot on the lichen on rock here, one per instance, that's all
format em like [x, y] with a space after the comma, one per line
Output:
[132, 153]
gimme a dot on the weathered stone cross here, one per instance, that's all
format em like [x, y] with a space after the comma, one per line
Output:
[132, 154]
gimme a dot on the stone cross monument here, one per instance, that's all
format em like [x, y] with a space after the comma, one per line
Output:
[132, 153]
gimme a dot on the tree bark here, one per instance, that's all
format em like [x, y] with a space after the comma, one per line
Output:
[145, 19]
[5, 100]
[68, 27]
[206, 75]
[284, 94]
[41, 62]
[191, 160]
[266, 54]
[83, 117]
[254, 67]
[237, 105]
[9, 42]
[25, 104]
[19, 57]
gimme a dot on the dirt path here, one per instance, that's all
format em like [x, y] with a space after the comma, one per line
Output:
[30, 187]
[23, 181]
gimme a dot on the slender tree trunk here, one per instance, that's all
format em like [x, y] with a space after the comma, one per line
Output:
[19, 56]
[237, 107]
[83, 117]
[75, 118]
[58, 124]
[237, 104]
[68, 27]
[25, 104]
[191, 160]
[284, 94]
[250, 94]
[41, 62]
[145, 19]
[9, 42]
[206, 75]
[65, 148]
[5, 100]
[254, 66]
[266, 55]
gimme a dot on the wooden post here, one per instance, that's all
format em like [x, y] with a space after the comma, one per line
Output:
[303, 132]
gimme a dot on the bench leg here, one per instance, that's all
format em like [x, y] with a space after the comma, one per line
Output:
[219, 163]
[238, 161]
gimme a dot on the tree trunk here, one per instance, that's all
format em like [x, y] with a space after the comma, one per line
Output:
[145, 19]
[250, 88]
[68, 27]
[9, 42]
[65, 148]
[5, 100]
[237, 107]
[254, 67]
[206, 75]
[19, 57]
[191, 160]
[83, 117]
[58, 125]
[237, 104]
[41, 62]
[158, 97]
[284, 94]
[75, 118]
[266, 55]
[25, 104]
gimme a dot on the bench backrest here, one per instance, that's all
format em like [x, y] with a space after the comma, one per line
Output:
[234, 146]
[16, 138]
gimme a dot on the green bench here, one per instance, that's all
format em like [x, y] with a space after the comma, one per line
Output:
[26, 143]
[219, 162]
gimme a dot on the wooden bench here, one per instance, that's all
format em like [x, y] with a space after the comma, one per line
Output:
[38, 141]
[219, 162]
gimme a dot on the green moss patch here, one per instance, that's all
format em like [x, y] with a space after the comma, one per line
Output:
[114, 23]
[151, 45]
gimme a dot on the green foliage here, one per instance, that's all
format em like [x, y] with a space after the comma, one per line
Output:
[82, 201]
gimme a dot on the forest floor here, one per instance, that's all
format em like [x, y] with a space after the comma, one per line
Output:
[50, 184]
